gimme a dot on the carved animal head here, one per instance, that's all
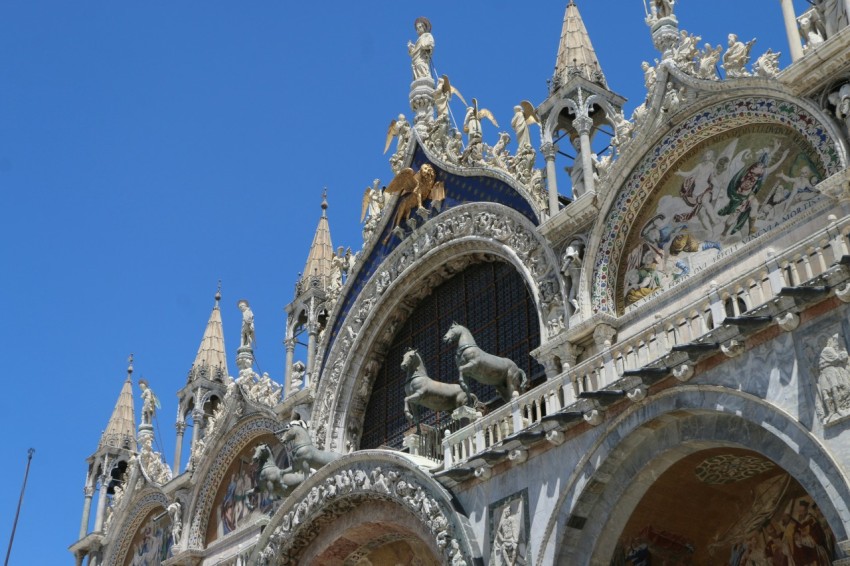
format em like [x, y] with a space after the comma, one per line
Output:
[453, 333]
[411, 360]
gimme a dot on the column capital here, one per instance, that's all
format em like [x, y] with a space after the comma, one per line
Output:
[583, 125]
[549, 150]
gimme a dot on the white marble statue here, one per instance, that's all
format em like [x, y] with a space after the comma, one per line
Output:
[507, 541]
[649, 74]
[373, 202]
[421, 51]
[810, 33]
[175, 514]
[662, 8]
[736, 57]
[472, 121]
[498, 153]
[833, 383]
[150, 402]
[841, 100]
[686, 52]
[833, 15]
[571, 269]
[524, 116]
[297, 379]
[247, 337]
[767, 65]
[708, 59]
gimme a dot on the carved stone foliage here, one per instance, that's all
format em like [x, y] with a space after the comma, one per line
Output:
[325, 499]
[155, 470]
[211, 476]
[648, 173]
[141, 508]
[481, 227]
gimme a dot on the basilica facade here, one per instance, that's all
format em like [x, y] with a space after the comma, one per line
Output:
[653, 370]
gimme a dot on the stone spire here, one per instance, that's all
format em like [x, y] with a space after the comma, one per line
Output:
[575, 52]
[320, 261]
[210, 361]
[121, 429]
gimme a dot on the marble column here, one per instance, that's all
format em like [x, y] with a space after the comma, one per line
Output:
[88, 493]
[290, 355]
[549, 151]
[791, 29]
[178, 449]
[584, 124]
[312, 333]
[101, 503]
[197, 420]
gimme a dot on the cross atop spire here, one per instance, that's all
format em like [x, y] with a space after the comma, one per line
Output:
[576, 56]
[121, 430]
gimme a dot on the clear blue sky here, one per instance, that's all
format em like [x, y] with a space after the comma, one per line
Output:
[148, 150]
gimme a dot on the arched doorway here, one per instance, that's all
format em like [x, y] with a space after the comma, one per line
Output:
[725, 505]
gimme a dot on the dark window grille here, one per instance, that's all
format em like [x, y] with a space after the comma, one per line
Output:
[488, 298]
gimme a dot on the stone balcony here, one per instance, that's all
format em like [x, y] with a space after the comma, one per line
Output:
[773, 293]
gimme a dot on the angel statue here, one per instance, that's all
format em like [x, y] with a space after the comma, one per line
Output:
[443, 95]
[399, 128]
[662, 8]
[737, 56]
[421, 51]
[414, 188]
[150, 402]
[472, 121]
[524, 116]
[373, 202]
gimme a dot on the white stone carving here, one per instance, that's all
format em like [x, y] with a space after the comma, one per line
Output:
[737, 57]
[767, 65]
[154, 468]
[175, 513]
[330, 498]
[833, 382]
[421, 51]
[247, 336]
[708, 59]
[683, 372]
[150, 402]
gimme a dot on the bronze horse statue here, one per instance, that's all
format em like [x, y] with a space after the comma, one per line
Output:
[303, 453]
[268, 478]
[421, 390]
[472, 361]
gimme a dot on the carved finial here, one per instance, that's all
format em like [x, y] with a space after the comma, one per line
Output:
[218, 293]
[324, 201]
[129, 366]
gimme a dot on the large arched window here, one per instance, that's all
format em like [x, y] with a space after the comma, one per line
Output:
[488, 298]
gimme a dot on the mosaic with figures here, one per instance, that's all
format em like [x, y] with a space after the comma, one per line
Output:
[152, 543]
[759, 121]
[723, 192]
[238, 502]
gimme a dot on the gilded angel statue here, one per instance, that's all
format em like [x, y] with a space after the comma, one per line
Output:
[414, 188]
[524, 116]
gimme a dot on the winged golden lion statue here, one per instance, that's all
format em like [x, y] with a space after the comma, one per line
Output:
[413, 189]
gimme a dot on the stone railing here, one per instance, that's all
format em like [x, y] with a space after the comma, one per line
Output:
[716, 322]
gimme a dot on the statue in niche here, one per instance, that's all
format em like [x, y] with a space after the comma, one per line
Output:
[247, 337]
[833, 383]
[508, 547]
[150, 402]
[175, 514]
[421, 51]
[571, 269]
